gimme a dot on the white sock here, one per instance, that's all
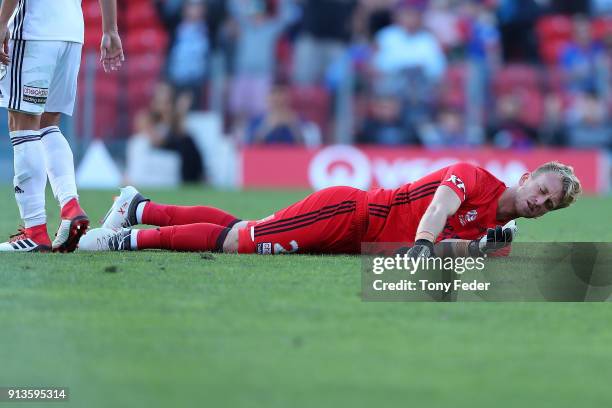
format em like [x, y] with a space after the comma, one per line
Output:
[140, 210]
[134, 239]
[60, 164]
[30, 176]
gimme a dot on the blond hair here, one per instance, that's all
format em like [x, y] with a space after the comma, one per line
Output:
[571, 184]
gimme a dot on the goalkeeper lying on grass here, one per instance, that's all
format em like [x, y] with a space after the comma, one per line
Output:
[463, 204]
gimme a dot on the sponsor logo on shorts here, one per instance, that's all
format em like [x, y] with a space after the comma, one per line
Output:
[18, 190]
[35, 95]
[264, 248]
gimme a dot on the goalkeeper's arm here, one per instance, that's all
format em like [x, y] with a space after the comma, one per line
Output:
[494, 240]
[444, 204]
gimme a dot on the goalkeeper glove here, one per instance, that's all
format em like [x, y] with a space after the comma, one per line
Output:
[422, 249]
[496, 238]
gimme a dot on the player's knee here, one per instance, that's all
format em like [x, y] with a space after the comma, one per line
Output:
[230, 245]
[50, 119]
[240, 225]
[23, 121]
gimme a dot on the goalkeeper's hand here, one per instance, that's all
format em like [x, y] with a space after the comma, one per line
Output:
[496, 238]
[422, 249]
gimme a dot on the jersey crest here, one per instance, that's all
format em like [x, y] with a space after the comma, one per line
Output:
[468, 217]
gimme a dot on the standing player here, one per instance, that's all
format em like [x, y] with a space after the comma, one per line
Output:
[41, 53]
[461, 203]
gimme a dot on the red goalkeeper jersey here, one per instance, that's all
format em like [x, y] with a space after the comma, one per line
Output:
[394, 215]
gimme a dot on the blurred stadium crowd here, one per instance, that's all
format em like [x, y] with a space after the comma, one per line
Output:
[438, 73]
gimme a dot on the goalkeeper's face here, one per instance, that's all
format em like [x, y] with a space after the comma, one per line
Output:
[536, 196]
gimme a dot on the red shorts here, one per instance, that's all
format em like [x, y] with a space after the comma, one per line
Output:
[330, 221]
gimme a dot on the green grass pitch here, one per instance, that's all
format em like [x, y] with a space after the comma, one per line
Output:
[158, 329]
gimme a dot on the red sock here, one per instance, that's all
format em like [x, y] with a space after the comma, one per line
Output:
[164, 215]
[192, 237]
[71, 209]
[39, 234]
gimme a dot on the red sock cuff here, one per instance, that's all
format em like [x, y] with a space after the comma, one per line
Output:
[70, 209]
[148, 239]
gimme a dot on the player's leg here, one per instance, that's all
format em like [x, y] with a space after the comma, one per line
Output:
[132, 208]
[59, 160]
[328, 221]
[187, 238]
[24, 91]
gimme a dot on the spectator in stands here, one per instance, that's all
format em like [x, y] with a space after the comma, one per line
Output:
[517, 20]
[325, 31]
[509, 130]
[601, 7]
[372, 16]
[258, 29]
[552, 130]
[216, 15]
[482, 35]
[581, 59]
[448, 130]
[187, 59]
[409, 60]
[406, 45]
[443, 21]
[163, 124]
[170, 12]
[281, 124]
[588, 122]
[569, 7]
[385, 123]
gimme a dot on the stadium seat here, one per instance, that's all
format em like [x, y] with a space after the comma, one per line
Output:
[452, 98]
[551, 51]
[312, 103]
[146, 41]
[139, 94]
[106, 85]
[452, 92]
[107, 115]
[554, 79]
[553, 33]
[516, 76]
[532, 104]
[147, 65]
[553, 27]
[142, 15]
[456, 74]
[91, 10]
[602, 27]
[284, 56]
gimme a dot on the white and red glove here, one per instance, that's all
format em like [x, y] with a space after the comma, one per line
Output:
[495, 239]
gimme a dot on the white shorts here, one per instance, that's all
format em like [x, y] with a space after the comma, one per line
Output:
[41, 77]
